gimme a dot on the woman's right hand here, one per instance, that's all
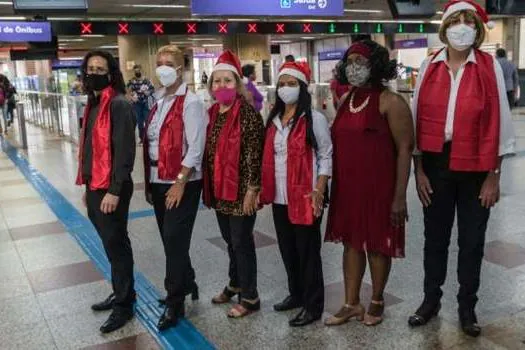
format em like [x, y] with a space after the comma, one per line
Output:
[424, 190]
[149, 197]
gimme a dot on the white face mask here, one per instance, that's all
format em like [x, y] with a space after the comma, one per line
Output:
[288, 94]
[461, 36]
[357, 74]
[167, 75]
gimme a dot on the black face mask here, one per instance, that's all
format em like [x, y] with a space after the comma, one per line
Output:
[138, 74]
[97, 82]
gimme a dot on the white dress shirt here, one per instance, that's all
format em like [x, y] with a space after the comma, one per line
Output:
[194, 136]
[322, 162]
[507, 138]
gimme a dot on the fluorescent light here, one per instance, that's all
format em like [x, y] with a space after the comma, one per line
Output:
[64, 40]
[6, 3]
[93, 36]
[13, 18]
[308, 37]
[156, 6]
[179, 43]
[281, 41]
[436, 22]
[439, 12]
[65, 18]
[71, 58]
[212, 45]
[363, 11]
[203, 39]
[107, 47]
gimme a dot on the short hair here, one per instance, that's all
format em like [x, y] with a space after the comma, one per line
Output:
[117, 80]
[248, 70]
[137, 66]
[469, 15]
[172, 50]
[289, 58]
[501, 53]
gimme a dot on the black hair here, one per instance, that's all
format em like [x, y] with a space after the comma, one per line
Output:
[116, 78]
[501, 53]
[248, 70]
[382, 68]
[304, 106]
[289, 58]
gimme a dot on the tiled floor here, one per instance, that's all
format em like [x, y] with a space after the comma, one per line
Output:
[48, 282]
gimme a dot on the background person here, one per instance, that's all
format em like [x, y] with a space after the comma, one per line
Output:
[463, 128]
[140, 90]
[255, 96]
[510, 74]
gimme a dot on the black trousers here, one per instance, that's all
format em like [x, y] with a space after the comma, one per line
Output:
[510, 97]
[453, 190]
[176, 227]
[300, 248]
[113, 231]
[237, 232]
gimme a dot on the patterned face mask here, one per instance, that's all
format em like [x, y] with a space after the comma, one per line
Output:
[357, 74]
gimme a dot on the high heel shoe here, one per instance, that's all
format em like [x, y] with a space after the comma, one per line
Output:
[193, 290]
[226, 295]
[345, 314]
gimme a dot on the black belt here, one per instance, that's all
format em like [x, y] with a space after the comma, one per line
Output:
[154, 163]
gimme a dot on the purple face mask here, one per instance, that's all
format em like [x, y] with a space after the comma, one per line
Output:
[225, 96]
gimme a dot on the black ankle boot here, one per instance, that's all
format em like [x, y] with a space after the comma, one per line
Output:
[469, 322]
[170, 317]
[424, 313]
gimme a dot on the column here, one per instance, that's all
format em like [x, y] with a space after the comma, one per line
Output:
[252, 49]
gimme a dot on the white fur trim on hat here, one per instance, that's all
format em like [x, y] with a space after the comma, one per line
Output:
[491, 24]
[294, 73]
[225, 66]
[460, 6]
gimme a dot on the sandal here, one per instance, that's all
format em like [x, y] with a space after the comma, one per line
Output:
[374, 316]
[244, 308]
[226, 295]
[345, 314]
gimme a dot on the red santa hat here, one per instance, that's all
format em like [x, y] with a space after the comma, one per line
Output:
[454, 6]
[299, 70]
[229, 61]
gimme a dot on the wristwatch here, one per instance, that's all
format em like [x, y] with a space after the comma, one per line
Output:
[496, 171]
[181, 178]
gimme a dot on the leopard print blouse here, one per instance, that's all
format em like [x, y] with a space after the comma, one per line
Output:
[252, 143]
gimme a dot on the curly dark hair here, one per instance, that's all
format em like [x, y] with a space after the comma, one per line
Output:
[382, 68]
[116, 78]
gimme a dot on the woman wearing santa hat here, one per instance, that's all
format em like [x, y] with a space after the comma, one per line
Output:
[173, 148]
[232, 178]
[464, 129]
[297, 163]
[373, 140]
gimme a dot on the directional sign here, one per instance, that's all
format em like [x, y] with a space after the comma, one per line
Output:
[268, 7]
[13, 32]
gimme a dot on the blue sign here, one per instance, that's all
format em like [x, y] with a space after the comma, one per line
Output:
[411, 44]
[331, 55]
[328, 8]
[17, 32]
[65, 64]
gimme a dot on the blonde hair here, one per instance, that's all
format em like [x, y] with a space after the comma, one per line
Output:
[241, 89]
[471, 16]
[174, 51]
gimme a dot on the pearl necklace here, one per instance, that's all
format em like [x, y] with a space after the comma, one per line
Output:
[360, 108]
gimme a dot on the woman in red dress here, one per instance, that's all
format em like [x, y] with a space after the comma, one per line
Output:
[373, 138]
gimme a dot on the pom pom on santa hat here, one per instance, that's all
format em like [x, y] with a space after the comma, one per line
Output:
[454, 6]
[298, 70]
[229, 61]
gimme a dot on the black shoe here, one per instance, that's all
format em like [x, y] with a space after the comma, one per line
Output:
[170, 317]
[289, 303]
[425, 313]
[469, 322]
[304, 318]
[193, 290]
[118, 319]
[105, 305]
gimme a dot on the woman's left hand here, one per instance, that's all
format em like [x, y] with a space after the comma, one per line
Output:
[399, 213]
[174, 195]
[249, 206]
[317, 202]
[489, 194]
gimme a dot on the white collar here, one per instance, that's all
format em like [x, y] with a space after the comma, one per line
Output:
[181, 91]
[443, 57]
[278, 124]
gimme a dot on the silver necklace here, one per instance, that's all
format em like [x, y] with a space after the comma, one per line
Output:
[355, 110]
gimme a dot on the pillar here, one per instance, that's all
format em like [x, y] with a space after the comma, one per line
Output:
[252, 49]
[135, 49]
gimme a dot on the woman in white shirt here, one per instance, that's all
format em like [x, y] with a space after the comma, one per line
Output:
[297, 164]
[464, 129]
[173, 149]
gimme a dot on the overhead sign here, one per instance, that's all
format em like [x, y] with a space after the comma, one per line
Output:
[202, 55]
[16, 32]
[65, 64]
[267, 7]
[331, 55]
[49, 5]
[411, 44]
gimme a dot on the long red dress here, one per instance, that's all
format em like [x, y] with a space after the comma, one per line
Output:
[364, 177]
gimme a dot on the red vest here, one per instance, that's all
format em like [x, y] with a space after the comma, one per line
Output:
[171, 142]
[475, 140]
[299, 175]
[101, 144]
[226, 164]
